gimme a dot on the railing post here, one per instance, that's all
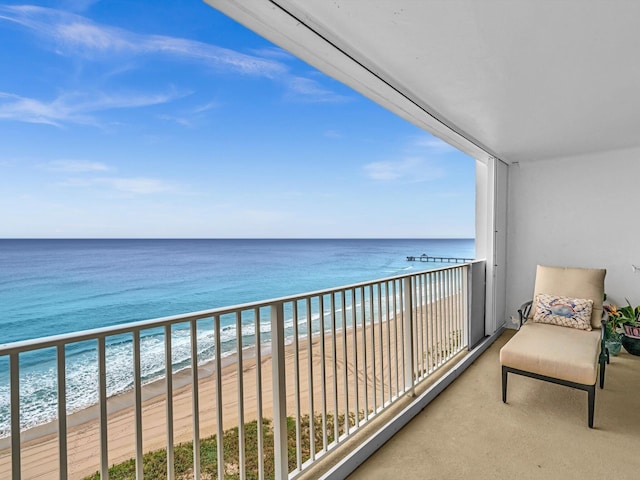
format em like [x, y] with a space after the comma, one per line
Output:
[62, 412]
[102, 404]
[408, 334]
[137, 394]
[281, 459]
[14, 367]
[168, 381]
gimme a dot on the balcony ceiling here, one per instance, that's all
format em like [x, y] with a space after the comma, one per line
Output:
[520, 80]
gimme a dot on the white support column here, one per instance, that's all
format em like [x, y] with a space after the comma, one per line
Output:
[491, 223]
[485, 185]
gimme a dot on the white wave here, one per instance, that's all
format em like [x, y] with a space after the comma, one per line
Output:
[38, 384]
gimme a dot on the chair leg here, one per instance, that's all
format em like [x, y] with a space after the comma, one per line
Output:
[604, 359]
[592, 400]
[504, 384]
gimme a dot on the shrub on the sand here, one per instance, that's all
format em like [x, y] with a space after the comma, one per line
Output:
[155, 463]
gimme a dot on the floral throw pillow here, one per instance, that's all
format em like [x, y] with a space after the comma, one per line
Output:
[563, 311]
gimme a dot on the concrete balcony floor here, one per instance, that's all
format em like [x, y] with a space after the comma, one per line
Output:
[541, 433]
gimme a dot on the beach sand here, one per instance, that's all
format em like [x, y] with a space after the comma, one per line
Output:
[40, 445]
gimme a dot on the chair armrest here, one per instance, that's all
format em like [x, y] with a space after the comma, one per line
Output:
[603, 321]
[524, 311]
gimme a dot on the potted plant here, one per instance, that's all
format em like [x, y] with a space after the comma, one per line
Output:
[614, 329]
[623, 325]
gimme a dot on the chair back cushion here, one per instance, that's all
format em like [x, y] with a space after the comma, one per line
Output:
[572, 282]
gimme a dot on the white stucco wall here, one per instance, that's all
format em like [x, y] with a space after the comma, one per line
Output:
[580, 211]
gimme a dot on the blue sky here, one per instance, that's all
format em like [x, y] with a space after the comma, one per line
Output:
[167, 119]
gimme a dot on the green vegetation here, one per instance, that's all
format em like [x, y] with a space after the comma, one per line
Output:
[618, 317]
[155, 463]
[443, 350]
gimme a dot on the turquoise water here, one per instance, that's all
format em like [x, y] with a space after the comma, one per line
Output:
[50, 287]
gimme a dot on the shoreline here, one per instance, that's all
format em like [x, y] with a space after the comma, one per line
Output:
[40, 444]
[120, 401]
[43, 439]
[150, 390]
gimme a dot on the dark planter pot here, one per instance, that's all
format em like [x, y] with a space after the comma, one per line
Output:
[631, 345]
[633, 332]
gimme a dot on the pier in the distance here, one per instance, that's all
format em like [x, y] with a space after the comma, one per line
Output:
[428, 258]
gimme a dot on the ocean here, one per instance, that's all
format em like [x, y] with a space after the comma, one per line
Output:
[51, 287]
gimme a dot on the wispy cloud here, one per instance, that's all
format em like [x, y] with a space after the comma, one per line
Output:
[74, 107]
[206, 107]
[333, 134]
[74, 36]
[190, 117]
[408, 170]
[75, 166]
[132, 185]
[420, 163]
[309, 90]
[71, 34]
[142, 186]
[88, 174]
[79, 5]
[434, 144]
[175, 119]
[273, 52]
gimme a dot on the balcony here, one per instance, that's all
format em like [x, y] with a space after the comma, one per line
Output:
[352, 355]
[408, 338]
[467, 432]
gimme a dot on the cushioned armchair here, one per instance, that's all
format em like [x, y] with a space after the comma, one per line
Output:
[561, 337]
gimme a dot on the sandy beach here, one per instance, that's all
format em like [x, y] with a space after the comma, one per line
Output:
[40, 445]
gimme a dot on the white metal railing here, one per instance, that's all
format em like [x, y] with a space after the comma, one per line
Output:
[331, 360]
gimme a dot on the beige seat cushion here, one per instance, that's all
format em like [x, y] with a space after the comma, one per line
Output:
[554, 351]
[574, 283]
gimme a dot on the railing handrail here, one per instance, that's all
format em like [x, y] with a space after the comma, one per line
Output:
[129, 327]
